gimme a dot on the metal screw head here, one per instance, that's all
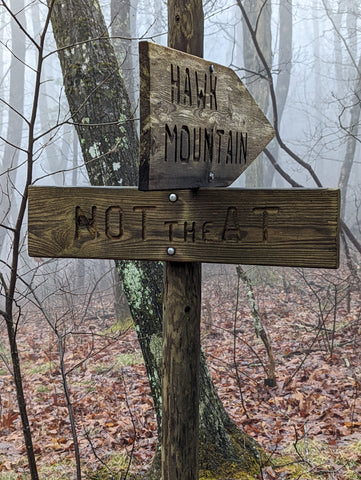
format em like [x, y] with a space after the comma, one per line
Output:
[173, 197]
[211, 176]
[171, 251]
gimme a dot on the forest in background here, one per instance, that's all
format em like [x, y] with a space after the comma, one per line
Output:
[303, 67]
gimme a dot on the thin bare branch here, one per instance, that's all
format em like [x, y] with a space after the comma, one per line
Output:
[280, 170]
[99, 39]
[259, 16]
[12, 145]
[14, 110]
[18, 58]
[327, 10]
[3, 283]
[267, 69]
[7, 228]
[20, 25]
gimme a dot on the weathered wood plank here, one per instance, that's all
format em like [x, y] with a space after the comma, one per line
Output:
[199, 124]
[297, 227]
[181, 361]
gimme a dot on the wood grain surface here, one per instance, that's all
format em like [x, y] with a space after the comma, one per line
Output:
[199, 124]
[291, 227]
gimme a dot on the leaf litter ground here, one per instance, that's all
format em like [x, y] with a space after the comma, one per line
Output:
[312, 414]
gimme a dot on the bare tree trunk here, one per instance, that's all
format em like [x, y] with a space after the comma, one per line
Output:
[284, 74]
[352, 16]
[260, 330]
[352, 140]
[8, 284]
[15, 123]
[123, 13]
[14, 218]
[53, 156]
[353, 128]
[259, 14]
[284, 55]
[338, 62]
[354, 110]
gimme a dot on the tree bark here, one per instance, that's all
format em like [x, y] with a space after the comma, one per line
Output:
[101, 111]
[96, 93]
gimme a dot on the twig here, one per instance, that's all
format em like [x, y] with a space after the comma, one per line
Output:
[100, 460]
[134, 428]
[69, 405]
[235, 349]
[259, 327]
[267, 69]
[306, 442]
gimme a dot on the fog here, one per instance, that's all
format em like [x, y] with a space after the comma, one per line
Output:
[314, 61]
[70, 117]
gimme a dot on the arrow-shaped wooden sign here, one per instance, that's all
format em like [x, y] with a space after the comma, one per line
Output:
[297, 227]
[199, 124]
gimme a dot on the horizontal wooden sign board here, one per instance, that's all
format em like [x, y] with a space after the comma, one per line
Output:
[199, 124]
[295, 227]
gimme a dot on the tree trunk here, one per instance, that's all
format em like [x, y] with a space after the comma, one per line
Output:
[351, 143]
[101, 110]
[54, 158]
[96, 93]
[353, 129]
[354, 109]
[12, 211]
[15, 125]
[259, 14]
[259, 328]
[284, 74]
[123, 14]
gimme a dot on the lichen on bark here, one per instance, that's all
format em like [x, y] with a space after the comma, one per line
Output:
[142, 283]
[95, 89]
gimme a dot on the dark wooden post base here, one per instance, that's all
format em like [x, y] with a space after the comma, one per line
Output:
[181, 359]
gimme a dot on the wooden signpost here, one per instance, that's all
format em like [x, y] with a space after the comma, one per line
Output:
[199, 125]
[199, 128]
